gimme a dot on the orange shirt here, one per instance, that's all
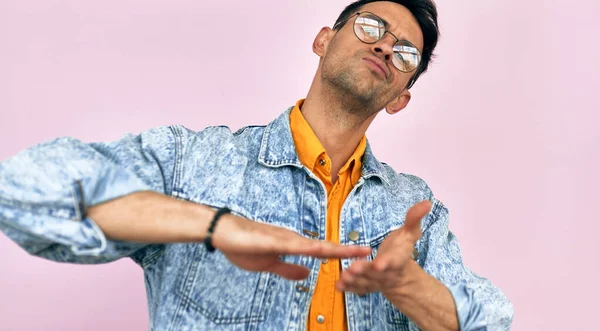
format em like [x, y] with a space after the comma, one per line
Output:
[327, 309]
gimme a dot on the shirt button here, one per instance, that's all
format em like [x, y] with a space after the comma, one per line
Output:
[324, 261]
[353, 236]
[302, 289]
[322, 162]
[320, 319]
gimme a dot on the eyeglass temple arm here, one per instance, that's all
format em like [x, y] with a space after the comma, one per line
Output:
[340, 23]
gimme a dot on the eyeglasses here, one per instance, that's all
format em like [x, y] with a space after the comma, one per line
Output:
[370, 28]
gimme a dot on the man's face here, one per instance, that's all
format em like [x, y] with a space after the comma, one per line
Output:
[352, 67]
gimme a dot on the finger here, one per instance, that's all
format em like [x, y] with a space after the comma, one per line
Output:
[414, 216]
[381, 263]
[358, 267]
[289, 271]
[323, 249]
[366, 270]
[394, 259]
[362, 270]
[280, 241]
[355, 281]
[361, 291]
[357, 284]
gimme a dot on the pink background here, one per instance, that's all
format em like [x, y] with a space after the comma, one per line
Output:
[504, 128]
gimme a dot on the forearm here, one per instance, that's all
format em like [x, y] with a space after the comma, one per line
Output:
[424, 300]
[149, 217]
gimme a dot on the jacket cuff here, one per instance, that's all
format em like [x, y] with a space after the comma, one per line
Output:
[469, 311]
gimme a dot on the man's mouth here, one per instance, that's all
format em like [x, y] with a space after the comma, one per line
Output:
[376, 66]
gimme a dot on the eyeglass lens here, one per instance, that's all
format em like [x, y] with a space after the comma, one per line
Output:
[370, 29]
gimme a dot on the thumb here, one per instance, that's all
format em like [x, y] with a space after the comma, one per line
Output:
[414, 216]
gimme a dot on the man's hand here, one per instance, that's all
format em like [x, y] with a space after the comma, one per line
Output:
[393, 261]
[149, 217]
[255, 246]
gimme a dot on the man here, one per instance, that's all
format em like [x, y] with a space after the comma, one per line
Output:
[290, 226]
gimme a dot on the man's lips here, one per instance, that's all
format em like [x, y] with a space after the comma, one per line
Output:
[377, 65]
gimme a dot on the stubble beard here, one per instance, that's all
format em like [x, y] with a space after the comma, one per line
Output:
[346, 85]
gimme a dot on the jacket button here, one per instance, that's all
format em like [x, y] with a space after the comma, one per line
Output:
[415, 254]
[353, 236]
[302, 289]
[322, 162]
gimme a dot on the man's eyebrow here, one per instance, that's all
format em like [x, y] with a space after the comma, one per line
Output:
[400, 36]
[385, 23]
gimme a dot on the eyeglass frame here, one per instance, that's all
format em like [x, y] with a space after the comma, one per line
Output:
[340, 24]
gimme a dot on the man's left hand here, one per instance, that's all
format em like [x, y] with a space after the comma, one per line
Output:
[390, 268]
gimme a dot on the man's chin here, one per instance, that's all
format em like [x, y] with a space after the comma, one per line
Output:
[367, 94]
[364, 98]
[362, 89]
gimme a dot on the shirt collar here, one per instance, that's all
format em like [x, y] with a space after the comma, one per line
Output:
[310, 150]
[278, 149]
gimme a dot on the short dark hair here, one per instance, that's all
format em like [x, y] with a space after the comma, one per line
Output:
[426, 14]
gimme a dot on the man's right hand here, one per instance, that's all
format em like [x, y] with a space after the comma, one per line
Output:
[255, 246]
[149, 217]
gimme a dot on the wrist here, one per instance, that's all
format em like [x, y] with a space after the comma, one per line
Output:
[198, 218]
[409, 282]
[208, 242]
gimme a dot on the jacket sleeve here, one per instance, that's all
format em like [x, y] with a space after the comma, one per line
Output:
[45, 191]
[480, 305]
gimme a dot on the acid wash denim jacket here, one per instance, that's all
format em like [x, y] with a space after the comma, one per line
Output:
[45, 191]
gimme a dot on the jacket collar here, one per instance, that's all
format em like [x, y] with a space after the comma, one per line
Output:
[277, 149]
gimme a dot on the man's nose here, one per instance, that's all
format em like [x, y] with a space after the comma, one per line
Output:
[385, 46]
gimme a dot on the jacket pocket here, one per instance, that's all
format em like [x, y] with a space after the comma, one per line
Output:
[398, 320]
[223, 293]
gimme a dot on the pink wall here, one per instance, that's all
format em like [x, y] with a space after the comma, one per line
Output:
[504, 128]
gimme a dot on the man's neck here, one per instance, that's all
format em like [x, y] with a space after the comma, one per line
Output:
[338, 129]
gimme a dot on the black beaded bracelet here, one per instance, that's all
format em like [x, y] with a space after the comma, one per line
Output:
[208, 241]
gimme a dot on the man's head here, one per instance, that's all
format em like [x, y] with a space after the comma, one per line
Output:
[376, 73]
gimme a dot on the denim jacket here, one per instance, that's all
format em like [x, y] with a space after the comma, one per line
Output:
[45, 191]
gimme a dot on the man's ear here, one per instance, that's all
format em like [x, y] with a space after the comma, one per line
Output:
[399, 103]
[322, 41]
